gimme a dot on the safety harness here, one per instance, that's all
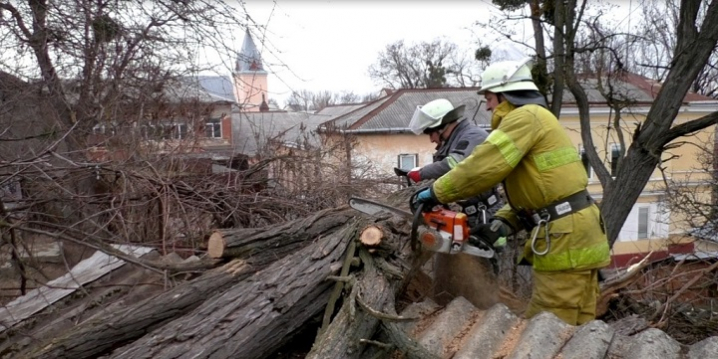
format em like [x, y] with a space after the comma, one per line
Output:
[532, 220]
[479, 206]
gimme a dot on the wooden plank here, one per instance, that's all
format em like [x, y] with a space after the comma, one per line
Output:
[83, 273]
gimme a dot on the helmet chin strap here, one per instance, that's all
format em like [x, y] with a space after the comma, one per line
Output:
[443, 130]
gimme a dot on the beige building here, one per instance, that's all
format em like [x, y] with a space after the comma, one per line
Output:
[384, 140]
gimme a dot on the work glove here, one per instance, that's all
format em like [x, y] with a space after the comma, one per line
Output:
[494, 233]
[414, 174]
[427, 197]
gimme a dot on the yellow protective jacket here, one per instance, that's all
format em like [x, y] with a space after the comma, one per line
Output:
[531, 153]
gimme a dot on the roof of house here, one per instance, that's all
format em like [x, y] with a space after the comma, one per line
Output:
[338, 110]
[204, 89]
[251, 131]
[393, 112]
[218, 86]
[627, 86]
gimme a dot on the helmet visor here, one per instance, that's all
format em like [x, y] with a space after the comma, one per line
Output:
[420, 121]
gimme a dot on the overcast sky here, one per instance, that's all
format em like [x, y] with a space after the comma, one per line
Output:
[329, 45]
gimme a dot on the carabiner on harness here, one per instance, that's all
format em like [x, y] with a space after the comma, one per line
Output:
[544, 222]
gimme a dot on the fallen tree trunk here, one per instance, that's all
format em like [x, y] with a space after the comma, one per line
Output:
[254, 318]
[370, 300]
[263, 247]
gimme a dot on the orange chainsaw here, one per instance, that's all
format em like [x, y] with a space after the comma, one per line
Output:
[438, 229]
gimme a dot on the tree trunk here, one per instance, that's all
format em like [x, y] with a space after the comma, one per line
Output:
[256, 317]
[370, 300]
[261, 248]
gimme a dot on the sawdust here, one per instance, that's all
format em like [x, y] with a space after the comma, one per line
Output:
[515, 304]
[511, 339]
[463, 275]
[427, 318]
[458, 341]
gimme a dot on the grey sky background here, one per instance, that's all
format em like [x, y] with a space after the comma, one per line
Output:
[329, 45]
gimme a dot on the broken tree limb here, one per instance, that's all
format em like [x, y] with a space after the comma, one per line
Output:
[371, 301]
[338, 286]
[98, 337]
[611, 287]
[254, 318]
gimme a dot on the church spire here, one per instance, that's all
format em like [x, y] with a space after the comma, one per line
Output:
[249, 59]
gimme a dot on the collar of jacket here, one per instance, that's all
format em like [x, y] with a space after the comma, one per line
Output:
[500, 112]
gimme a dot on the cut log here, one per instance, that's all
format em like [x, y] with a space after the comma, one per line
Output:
[233, 243]
[371, 236]
[263, 247]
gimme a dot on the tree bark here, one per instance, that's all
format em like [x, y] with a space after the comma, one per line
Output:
[254, 318]
[262, 247]
[692, 52]
[370, 302]
[240, 242]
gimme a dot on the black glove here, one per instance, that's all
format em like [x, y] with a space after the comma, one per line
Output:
[489, 233]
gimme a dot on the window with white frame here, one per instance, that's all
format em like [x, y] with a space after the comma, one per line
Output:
[643, 213]
[180, 130]
[213, 128]
[646, 221]
[408, 161]
[584, 160]
[615, 158]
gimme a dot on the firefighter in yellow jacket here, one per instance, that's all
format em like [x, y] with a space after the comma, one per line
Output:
[545, 183]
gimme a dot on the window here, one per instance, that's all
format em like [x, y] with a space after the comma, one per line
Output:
[615, 157]
[586, 164]
[213, 128]
[408, 161]
[180, 130]
[643, 222]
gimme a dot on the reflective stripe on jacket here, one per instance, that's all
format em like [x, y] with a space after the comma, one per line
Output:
[532, 154]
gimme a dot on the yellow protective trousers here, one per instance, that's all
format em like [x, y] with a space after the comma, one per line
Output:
[570, 295]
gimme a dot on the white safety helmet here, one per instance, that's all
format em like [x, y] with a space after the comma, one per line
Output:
[507, 76]
[434, 114]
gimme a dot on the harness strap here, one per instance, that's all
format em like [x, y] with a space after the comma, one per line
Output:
[556, 210]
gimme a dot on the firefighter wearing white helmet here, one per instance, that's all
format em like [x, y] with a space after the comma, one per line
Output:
[455, 138]
[545, 185]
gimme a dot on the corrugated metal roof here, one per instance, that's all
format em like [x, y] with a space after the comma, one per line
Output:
[620, 90]
[252, 130]
[219, 86]
[398, 112]
[350, 118]
[191, 87]
[338, 110]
